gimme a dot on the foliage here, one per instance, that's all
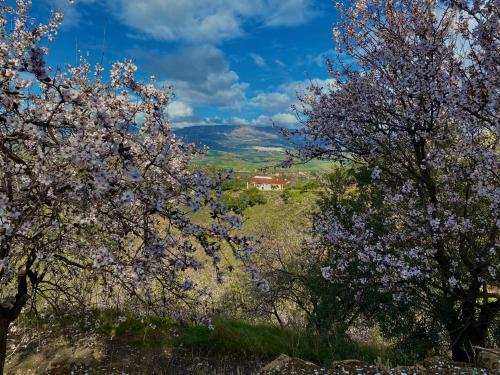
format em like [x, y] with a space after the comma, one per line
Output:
[299, 295]
[309, 185]
[419, 110]
[286, 195]
[246, 198]
[234, 185]
[335, 306]
[414, 336]
[254, 197]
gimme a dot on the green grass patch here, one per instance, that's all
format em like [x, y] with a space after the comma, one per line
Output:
[253, 162]
[224, 338]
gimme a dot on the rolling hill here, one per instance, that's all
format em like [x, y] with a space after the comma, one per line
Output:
[242, 148]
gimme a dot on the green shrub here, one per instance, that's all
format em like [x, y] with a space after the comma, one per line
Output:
[247, 198]
[286, 196]
[253, 197]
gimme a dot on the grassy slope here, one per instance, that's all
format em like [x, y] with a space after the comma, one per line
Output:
[224, 339]
[252, 162]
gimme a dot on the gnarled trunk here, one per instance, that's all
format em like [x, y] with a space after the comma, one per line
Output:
[9, 314]
[4, 330]
[472, 331]
[462, 345]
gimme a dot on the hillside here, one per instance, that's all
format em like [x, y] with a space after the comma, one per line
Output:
[243, 148]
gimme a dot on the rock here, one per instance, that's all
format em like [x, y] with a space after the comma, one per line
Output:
[352, 366]
[417, 369]
[431, 362]
[284, 365]
[489, 359]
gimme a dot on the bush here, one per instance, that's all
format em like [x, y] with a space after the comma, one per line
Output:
[233, 185]
[248, 198]
[286, 196]
[253, 197]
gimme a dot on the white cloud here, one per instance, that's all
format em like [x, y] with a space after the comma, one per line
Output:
[178, 109]
[197, 120]
[200, 75]
[73, 13]
[284, 118]
[289, 12]
[208, 21]
[223, 90]
[194, 121]
[285, 96]
[273, 101]
[239, 121]
[280, 119]
[258, 60]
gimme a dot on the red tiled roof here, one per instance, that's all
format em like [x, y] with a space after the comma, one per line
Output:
[272, 181]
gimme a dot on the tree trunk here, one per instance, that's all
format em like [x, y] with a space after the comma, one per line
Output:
[471, 329]
[467, 337]
[4, 329]
[462, 348]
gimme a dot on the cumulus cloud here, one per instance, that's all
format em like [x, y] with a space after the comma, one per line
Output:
[195, 120]
[198, 120]
[178, 110]
[239, 121]
[284, 118]
[273, 101]
[200, 75]
[208, 21]
[289, 12]
[285, 96]
[276, 104]
[280, 119]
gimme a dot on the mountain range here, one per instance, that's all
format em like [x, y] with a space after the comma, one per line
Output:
[240, 140]
[244, 148]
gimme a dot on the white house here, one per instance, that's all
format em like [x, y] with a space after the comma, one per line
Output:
[267, 183]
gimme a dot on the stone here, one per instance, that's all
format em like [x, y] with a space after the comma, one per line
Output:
[353, 366]
[489, 359]
[432, 362]
[289, 365]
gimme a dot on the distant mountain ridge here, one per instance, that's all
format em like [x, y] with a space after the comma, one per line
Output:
[244, 148]
[236, 139]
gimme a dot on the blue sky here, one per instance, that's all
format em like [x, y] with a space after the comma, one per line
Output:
[230, 61]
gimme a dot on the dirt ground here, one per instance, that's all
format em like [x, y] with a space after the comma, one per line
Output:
[78, 354]
[32, 353]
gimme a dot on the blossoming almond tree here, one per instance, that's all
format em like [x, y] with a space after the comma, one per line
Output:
[418, 106]
[93, 182]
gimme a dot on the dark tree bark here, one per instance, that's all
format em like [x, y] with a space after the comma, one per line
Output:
[463, 343]
[9, 314]
[4, 329]
[472, 331]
